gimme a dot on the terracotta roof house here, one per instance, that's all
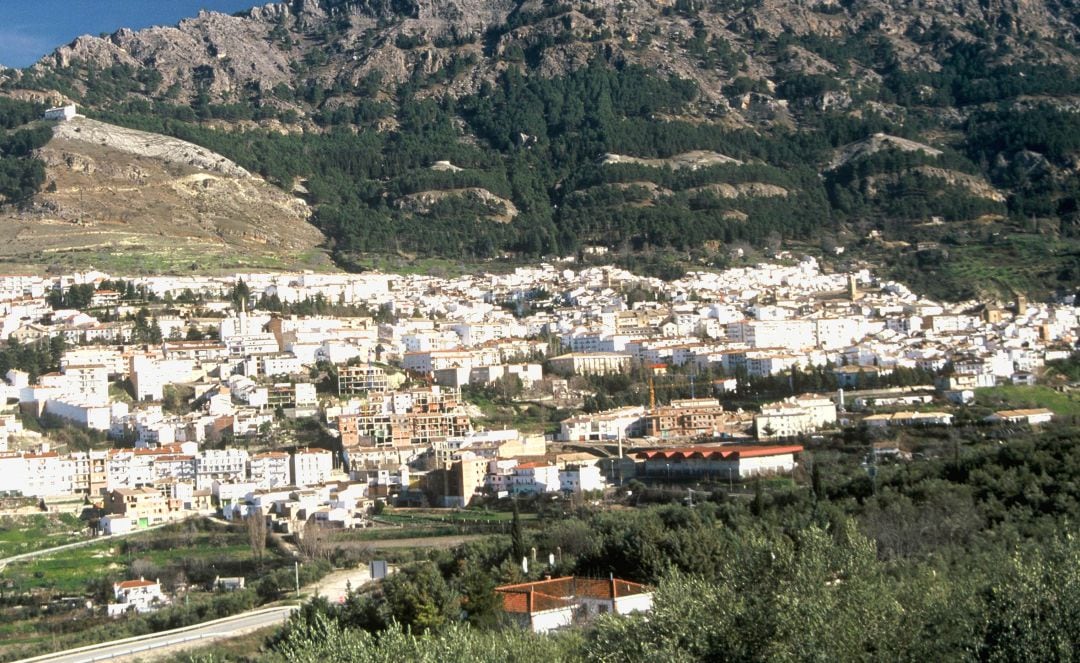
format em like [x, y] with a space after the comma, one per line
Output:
[546, 605]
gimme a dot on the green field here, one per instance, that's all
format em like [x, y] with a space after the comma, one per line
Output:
[1012, 397]
[446, 515]
[23, 534]
[72, 571]
[191, 553]
[425, 523]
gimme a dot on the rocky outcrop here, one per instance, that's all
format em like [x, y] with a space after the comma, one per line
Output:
[118, 192]
[877, 143]
[689, 160]
[500, 209]
[167, 150]
[744, 190]
[239, 58]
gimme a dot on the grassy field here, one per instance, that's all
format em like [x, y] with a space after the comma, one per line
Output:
[166, 552]
[1017, 396]
[460, 515]
[177, 259]
[1017, 261]
[430, 523]
[192, 553]
[23, 534]
[445, 267]
[68, 571]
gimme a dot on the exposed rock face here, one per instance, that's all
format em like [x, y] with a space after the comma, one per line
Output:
[502, 210]
[236, 58]
[877, 143]
[115, 190]
[691, 160]
[745, 189]
[169, 151]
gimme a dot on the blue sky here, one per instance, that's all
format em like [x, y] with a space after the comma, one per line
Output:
[30, 29]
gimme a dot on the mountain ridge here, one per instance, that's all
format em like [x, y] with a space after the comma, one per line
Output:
[355, 103]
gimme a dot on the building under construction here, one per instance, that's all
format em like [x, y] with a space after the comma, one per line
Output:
[361, 379]
[397, 419]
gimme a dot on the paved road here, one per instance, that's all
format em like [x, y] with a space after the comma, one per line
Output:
[189, 636]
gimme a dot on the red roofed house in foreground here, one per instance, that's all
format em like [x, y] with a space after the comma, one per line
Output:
[137, 595]
[545, 605]
[737, 461]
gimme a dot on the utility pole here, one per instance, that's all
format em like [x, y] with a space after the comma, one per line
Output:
[296, 568]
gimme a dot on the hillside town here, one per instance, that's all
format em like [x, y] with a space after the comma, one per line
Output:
[311, 397]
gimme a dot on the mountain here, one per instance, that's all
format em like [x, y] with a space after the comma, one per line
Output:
[940, 139]
[140, 201]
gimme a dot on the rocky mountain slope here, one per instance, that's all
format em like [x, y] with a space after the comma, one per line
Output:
[724, 46]
[683, 126]
[161, 203]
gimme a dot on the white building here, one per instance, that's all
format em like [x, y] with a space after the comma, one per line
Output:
[222, 465]
[271, 469]
[620, 423]
[136, 596]
[581, 479]
[1033, 417]
[60, 113]
[149, 375]
[546, 605]
[735, 461]
[794, 416]
[909, 419]
[311, 467]
[528, 478]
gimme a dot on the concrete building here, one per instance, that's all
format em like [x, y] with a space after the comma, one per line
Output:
[689, 418]
[222, 465]
[361, 379]
[581, 479]
[909, 419]
[794, 416]
[311, 467]
[737, 461]
[591, 363]
[1032, 417]
[466, 481]
[620, 423]
[60, 113]
[533, 478]
[271, 469]
[144, 506]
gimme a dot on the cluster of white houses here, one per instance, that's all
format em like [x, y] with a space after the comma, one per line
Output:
[251, 367]
[762, 321]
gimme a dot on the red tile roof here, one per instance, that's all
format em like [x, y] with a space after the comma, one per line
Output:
[562, 592]
[132, 584]
[727, 452]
